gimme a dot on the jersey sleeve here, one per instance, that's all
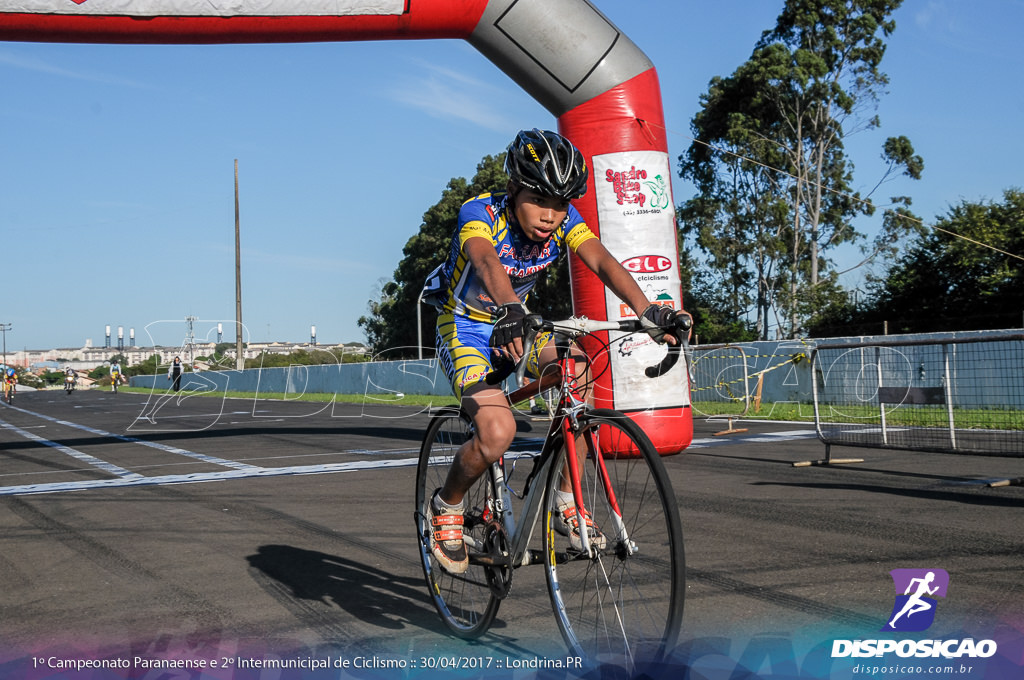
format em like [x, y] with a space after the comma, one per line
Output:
[578, 234]
[475, 220]
[475, 228]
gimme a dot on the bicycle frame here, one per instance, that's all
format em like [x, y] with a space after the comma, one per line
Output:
[564, 422]
[608, 605]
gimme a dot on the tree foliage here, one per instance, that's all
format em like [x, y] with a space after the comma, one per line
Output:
[303, 357]
[966, 273]
[390, 325]
[775, 184]
[150, 366]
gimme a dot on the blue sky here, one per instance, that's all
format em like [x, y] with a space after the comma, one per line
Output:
[117, 161]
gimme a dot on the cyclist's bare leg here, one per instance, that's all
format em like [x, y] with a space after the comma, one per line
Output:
[494, 427]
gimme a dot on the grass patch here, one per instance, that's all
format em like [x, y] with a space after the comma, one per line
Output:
[896, 415]
[376, 399]
[774, 411]
[905, 415]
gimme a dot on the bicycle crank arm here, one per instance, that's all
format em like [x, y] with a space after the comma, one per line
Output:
[491, 560]
[530, 558]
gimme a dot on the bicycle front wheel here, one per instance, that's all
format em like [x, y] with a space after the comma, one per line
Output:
[623, 604]
[466, 602]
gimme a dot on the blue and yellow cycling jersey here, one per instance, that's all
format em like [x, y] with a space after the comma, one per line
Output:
[456, 285]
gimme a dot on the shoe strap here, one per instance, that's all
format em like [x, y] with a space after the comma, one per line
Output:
[454, 530]
[569, 513]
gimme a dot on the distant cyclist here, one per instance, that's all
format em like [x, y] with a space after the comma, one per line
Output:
[70, 379]
[115, 375]
[10, 381]
[503, 242]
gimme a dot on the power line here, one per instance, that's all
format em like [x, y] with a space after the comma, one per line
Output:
[833, 191]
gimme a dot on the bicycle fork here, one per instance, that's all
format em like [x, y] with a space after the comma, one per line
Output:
[575, 479]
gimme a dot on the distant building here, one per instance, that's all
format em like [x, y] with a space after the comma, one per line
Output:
[89, 357]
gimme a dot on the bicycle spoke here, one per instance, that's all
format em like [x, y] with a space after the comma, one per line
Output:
[624, 604]
[465, 602]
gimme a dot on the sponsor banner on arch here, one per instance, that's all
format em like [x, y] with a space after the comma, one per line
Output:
[206, 8]
[637, 218]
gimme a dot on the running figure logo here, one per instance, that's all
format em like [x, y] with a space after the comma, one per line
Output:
[914, 609]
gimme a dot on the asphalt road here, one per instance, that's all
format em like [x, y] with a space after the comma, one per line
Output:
[196, 528]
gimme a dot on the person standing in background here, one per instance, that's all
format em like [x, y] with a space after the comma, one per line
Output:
[174, 373]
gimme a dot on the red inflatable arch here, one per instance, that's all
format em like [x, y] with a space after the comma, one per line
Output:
[577, 64]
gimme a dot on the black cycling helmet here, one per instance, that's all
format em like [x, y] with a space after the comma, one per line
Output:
[548, 163]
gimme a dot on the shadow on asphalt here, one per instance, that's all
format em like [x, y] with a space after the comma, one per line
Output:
[311, 583]
[948, 496]
[374, 596]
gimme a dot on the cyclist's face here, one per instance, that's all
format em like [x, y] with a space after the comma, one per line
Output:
[539, 215]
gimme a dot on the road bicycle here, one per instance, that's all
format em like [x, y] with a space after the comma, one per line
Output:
[621, 603]
[9, 390]
[115, 379]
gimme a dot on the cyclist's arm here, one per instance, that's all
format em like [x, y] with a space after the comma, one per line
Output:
[612, 274]
[488, 267]
[615, 277]
[484, 258]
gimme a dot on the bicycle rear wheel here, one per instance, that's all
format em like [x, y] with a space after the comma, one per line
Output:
[466, 602]
[623, 605]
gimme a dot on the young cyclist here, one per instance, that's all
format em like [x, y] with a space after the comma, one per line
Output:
[501, 245]
[10, 380]
[115, 375]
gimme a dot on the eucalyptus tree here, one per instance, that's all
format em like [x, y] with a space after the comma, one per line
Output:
[769, 156]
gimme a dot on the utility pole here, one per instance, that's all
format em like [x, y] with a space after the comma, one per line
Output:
[419, 325]
[190, 336]
[4, 327]
[239, 357]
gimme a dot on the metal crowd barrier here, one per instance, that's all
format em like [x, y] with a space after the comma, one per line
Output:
[719, 384]
[960, 395]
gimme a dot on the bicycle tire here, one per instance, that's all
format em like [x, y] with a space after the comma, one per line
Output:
[622, 606]
[465, 602]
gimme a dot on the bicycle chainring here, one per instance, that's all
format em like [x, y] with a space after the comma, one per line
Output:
[499, 578]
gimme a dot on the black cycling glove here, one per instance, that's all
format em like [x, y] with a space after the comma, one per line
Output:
[655, 319]
[511, 324]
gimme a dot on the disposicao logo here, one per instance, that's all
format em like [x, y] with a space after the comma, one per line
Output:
[916, 590]
[914, 610]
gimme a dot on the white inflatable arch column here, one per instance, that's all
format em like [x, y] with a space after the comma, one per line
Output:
[565, 53]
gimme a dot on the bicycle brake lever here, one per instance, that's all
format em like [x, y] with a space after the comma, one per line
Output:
[666, 364]
[680, 333]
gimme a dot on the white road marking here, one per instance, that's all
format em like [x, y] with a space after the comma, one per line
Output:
[225, 475]
[84, 457]
[125, 478]
[133, 440]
